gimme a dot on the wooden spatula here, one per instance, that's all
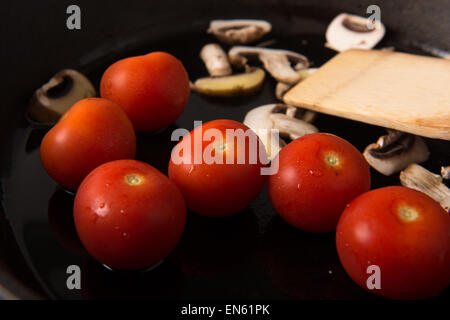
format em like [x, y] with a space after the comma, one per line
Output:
[395, 90]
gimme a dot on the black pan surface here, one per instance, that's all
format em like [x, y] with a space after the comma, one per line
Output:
[251, 255]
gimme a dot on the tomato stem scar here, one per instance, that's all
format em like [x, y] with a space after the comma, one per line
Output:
[134, 179]
[222, 146]
[407, 214]
[332, 160]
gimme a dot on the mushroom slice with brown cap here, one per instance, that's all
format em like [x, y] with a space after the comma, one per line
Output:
[277, 62]
[348, 31]
[55, 97]
[232, 85]
[395, 151]
[216, 60]
[419, 178]
[239, 31]
[286, 119]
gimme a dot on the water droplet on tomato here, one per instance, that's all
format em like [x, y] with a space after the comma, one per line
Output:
[298, 186]
[191, 170]
[315, 172]
[101, 210]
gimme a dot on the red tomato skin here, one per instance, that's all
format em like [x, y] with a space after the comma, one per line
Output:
[308, 193]
[413, 257]
[153, 89]
[129, 227]
[217, 190]
[93, 131]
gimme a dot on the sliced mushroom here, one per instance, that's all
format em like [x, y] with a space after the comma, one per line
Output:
[232, 85]
[419, 178]
[282, 87]
[276, 61]
[55, 97]
[216, 60]
[348, 31]
[286, 119]
[239, 31]
[395, 151]
[445, 172]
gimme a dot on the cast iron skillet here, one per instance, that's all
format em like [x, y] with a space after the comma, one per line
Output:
[251, 255]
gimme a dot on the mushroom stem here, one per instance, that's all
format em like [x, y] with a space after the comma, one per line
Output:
[216, 60]
[419, 178]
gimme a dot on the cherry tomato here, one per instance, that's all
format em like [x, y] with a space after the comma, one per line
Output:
[93, 131]
[153, 89]
[404, 233]
[218, 187]
[318, 175]
[128, 215]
